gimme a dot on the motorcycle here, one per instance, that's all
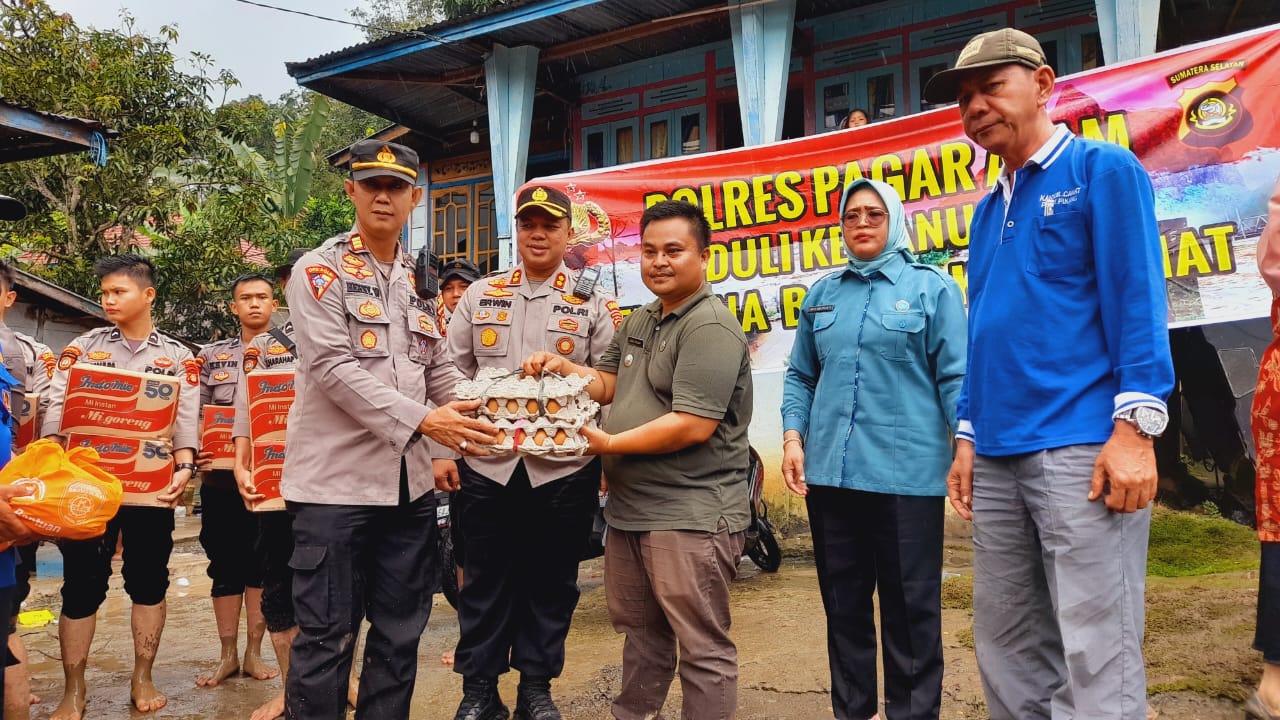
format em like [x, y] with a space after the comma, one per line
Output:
[761, 544]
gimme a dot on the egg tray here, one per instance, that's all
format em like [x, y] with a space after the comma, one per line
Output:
[535, 415]
[538, 437]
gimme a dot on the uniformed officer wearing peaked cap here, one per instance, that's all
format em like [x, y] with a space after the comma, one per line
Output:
[357, 471]
[455, 277]
[525, 521]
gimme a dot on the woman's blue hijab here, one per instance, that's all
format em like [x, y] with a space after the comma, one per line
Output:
[897, 242]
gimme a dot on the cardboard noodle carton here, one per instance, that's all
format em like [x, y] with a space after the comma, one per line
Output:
[144, 466]
[270, 394]
[121, 403]
[215, 435]
[268, 462]
[28, 427]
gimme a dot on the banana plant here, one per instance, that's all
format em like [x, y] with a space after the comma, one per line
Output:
[295, 156]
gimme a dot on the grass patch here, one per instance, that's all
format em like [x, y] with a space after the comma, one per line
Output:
[1209, 685]
[957, 593]
[1185, 544]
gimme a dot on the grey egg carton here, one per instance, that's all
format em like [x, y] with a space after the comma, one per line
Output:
[538, 437]
[535, 416]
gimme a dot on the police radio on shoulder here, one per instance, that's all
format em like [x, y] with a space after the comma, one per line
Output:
[426, 274]
[587, 280]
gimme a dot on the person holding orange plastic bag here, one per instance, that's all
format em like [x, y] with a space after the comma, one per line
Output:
[12, 529]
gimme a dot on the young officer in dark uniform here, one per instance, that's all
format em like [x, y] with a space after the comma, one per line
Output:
[273, 545]
[13, 673]
[357, 471]
[132, 343]
[525, 519]
[227, 528]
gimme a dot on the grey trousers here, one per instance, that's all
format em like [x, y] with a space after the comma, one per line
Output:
[669, 588]
[1058, 585]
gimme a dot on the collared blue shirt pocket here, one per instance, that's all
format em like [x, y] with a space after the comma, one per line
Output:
[1058, 247]
[824, 333]
[903, 333]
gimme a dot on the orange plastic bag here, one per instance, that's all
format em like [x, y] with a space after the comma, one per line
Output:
[71, 496]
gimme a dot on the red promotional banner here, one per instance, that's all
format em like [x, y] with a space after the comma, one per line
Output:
[1199, 118]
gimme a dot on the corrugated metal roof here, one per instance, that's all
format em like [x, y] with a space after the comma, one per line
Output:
[26, 134]
[419, 82]
[433, 80]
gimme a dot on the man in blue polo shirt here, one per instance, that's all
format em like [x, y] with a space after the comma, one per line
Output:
[1068, 371]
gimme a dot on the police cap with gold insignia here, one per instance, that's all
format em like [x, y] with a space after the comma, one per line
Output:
[461, 269]
[371, 158]
[989, 49]
[548, 199]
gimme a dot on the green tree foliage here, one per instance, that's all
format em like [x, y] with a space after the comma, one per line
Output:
[191, 186]
[388, 17]
[122, 78]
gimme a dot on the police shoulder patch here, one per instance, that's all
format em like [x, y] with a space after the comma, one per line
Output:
[320, 278]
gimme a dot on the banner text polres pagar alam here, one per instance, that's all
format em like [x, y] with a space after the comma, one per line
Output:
[925, 179]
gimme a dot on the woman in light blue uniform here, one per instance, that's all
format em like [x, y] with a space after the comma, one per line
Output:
[869, 413]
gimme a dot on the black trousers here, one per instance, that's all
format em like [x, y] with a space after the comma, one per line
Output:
[350, 562]
[1266, 637]
[520, 584]
[867, 542]
[227, 534]
[147, 536]
[7, 660]
[273, 548]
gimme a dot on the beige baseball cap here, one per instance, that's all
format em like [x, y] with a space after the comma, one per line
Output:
[998, 47]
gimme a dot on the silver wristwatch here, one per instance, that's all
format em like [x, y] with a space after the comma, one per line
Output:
[1150, 422]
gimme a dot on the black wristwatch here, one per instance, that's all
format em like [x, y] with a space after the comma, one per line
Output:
[1148, 421]
[185, 466]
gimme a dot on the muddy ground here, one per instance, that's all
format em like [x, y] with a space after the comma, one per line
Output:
[1198, 635]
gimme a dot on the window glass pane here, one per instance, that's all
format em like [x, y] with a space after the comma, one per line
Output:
[659, 143]
[1050, 48]
[1090, 51]
[881, 100]
[923, 75]
[595, 150]
[793, 115]
[625, 144]
[486, 221]
[729, 128]
[835, 104]
[690, 133]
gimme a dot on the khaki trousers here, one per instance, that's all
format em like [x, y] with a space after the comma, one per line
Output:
[666, 588]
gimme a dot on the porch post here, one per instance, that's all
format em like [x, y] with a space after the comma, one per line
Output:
[762, 61]
[510, 75]
[1127, 27]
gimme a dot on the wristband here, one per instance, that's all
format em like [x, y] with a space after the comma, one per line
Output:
[185, 466]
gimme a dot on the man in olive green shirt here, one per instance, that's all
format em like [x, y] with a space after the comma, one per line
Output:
[678, 374]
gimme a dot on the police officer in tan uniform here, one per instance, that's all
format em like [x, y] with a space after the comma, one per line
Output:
[131, 343]
[32, 366]
[227, 528]
[271, 350]
[357, 471]
[526, 519]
